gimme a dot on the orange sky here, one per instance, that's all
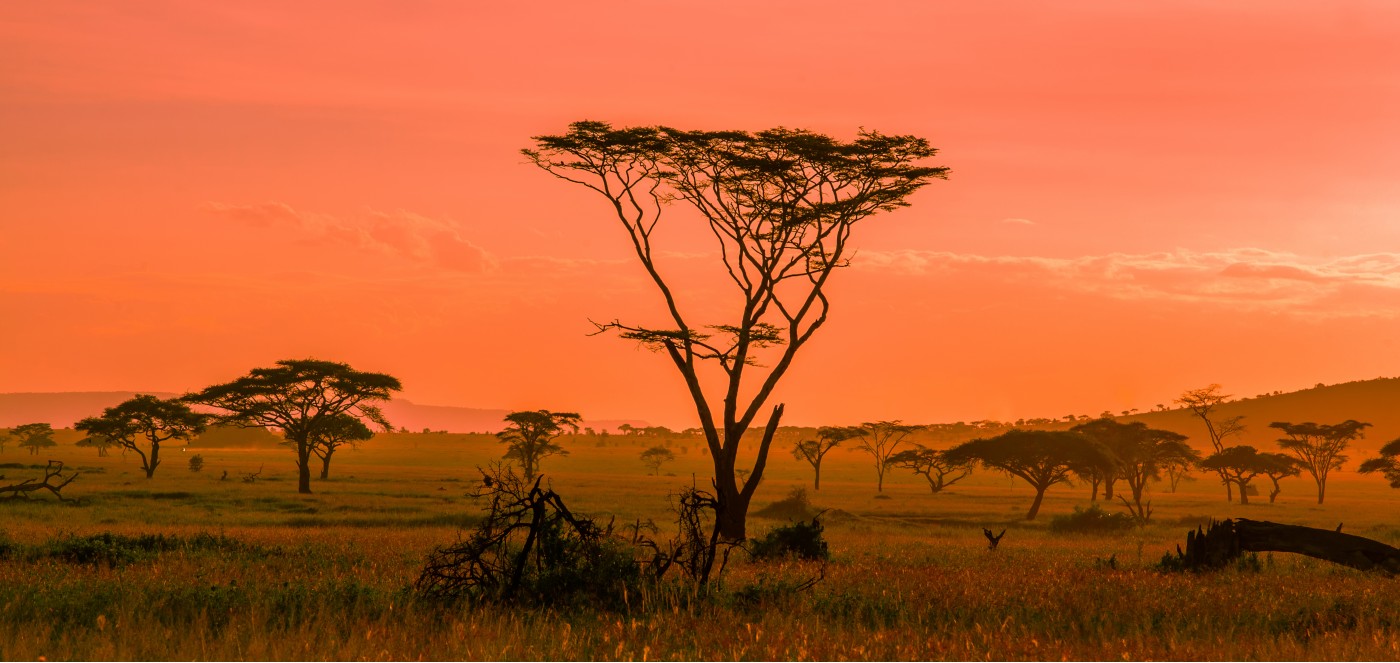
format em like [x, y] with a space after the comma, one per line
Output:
[1142, 200]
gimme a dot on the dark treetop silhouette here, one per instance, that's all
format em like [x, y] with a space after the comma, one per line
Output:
[303, 398]
[146, 417]
[781, 205]
[1042, 458]
[529, 437]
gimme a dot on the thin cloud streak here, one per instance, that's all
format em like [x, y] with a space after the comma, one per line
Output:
[1252, 279]
[412, 236]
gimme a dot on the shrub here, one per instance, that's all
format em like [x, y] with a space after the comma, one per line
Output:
[802, 540]
[1090, 521]
[196, 463]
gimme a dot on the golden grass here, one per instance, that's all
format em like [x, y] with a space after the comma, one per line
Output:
[325, 576]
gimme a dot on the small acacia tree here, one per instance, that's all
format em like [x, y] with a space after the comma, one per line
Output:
[655, 457]
[933, 465]
[145, 420]
[34, 437]
[814, 451]
[1276, 467]
[1042, 458]
[340, 430]
[98, 442]
[529, 437]
[881, 439]
[1388, 464]
[781, 205]
[1239, 465]
[4, 437]
[1204, 403]
[1319, 447]
[301, 398]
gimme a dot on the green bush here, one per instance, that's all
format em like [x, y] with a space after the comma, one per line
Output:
[1093, 520]
[802, 540]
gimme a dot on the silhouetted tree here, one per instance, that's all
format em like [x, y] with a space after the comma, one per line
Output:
[5, 437]
[146, 420]
[1203, 403]
[529, 436]
[1104, 470]
[1276, 467]
[1388, 464]
[655, 457]
[338, 431]
[880, 439]
[301, 398]
[98, 442]
[813, 451]
[782, 205]
[1178, 469]
[1239, 465]
[1319, 447]
[196, 463]
[1041, 458]
[33, 437]
[1141, 453]
[932, 465]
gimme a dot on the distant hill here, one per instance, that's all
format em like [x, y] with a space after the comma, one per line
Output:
[1375, 401]
[63, 409]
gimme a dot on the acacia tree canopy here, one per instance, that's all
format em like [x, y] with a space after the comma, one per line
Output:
[1041, 458]
[814, 451]
[1388, 464]
[34, 436]
[781, 205]
[301, 398]
[147, 417]
[530, 434]
[1319, 447]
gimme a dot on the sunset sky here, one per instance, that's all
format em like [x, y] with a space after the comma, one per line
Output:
[1144, 197]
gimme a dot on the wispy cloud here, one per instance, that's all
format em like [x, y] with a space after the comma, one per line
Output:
[1018, 222]
[1256, 279]
[411, 236]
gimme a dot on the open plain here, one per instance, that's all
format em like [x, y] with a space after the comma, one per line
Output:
[252, 570]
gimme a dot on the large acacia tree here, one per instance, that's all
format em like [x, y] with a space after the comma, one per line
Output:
[781, 205]
[1042, 458]
[144, 420]
[1319, 447]
[304, 399]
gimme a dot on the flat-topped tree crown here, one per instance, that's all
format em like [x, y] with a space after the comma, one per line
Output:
[781, 205]
[148, 417]
[306, 399]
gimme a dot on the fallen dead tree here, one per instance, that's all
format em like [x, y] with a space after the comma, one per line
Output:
[1224, 542]
[53, 482]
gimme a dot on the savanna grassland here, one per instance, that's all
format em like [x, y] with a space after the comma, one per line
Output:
[235, 570]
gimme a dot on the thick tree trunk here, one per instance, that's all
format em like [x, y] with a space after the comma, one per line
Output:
[1224, 541]
[1108, 489]
[326, 465]
[1244, 492]
[153, 461]
[1035, 506]
[303, 468]
[817, 482]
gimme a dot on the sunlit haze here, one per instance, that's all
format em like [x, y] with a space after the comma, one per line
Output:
[1144, 197]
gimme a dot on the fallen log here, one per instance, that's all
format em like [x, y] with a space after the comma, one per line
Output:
[53, 482]
[1225, 541]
